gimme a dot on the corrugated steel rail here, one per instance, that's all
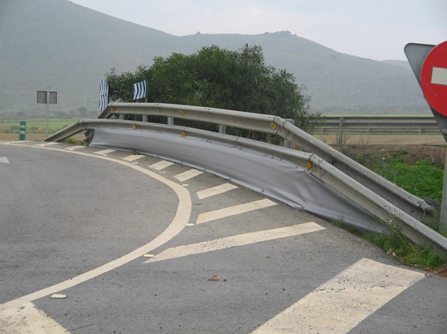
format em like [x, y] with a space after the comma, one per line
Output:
[377, 195]
[383, 125]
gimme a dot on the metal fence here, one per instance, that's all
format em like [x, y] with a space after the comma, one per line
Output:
[370, 125]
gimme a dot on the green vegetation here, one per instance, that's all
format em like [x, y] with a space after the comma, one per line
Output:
[396, 244]
[34, 125]
[422, 178]
[220, 78]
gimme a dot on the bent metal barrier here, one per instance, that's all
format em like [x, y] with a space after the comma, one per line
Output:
[379, 197]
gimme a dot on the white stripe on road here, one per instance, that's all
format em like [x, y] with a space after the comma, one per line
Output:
[343, 302]
[215, 190]
[104, 152]
[236, 240]
[73, 148]
[28, 319]
[188, 175]
[133, 157]
[4, 160]
[234, 210]
[178, 223]
[17, 142]
[49, 144]
[161, 165]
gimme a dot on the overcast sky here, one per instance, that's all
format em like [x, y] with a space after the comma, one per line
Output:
[376, 29]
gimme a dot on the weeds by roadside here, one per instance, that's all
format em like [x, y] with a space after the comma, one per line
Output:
[417, 174]
[396, 244]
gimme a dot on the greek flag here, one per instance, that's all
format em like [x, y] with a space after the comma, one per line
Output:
[139, 90]
[103, 95]
[103, 88]
[103, 101]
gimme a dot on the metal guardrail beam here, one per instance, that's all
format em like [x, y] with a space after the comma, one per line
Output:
[355, 124]
[409, 203]
[238, 119]
[379, 196]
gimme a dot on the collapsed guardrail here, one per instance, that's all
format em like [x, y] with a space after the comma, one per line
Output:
[378, 196]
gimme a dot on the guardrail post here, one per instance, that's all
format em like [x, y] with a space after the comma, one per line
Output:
[144, 118]
[22, 130]
[121, 116]
[170, 120]
[222, 128]
[340, 134]
[288, 143]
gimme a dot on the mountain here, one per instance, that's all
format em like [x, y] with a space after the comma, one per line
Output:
[61, 46]
[401, 63]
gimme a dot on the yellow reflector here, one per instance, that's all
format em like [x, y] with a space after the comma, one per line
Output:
[183, 133]
[273, 126]
[134, 127]
[309, 165]
[112, 109]
[182, 112]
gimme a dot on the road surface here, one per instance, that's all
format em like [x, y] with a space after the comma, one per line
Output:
[102, 241]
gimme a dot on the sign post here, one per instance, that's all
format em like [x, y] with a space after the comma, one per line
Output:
[429, 64]
[48, 98]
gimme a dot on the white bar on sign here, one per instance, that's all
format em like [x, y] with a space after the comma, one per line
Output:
[439, 76]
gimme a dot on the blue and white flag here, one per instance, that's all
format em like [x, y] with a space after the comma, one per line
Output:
[103, 95]
[103, 88]
[103, 101]
[139, 90]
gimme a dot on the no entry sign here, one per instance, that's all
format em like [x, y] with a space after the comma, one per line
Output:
[434, 78]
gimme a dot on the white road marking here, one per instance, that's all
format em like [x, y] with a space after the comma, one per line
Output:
[49, 144]
[223, 188]
[179, 222]
[4, 160]
[161, 165]
[133, 157]
[17, 142]
[236, 240]
[188, 175]
[439, 76]
[103, 152]
[234, 210]
[28, 319]
[77, 147]
[343, 302]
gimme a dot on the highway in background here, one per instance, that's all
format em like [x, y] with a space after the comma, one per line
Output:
[94, 240]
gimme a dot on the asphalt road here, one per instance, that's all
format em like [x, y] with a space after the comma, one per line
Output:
[133, 244]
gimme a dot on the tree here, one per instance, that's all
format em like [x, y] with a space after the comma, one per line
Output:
[220, 78]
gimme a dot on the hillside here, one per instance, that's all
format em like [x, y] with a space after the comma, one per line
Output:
[58, 45]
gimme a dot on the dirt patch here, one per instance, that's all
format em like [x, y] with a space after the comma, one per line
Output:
[410, 153]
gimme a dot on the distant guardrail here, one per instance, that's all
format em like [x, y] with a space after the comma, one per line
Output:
[344, 125]
[362, 186]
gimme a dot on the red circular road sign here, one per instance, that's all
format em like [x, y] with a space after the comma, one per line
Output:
[434, 78]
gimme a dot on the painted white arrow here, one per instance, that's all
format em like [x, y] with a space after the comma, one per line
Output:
[4, 161]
